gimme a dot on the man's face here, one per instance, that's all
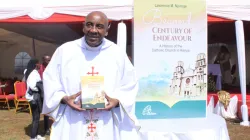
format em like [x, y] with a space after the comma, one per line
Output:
[38, 65]
[46, 60]
[95, 29]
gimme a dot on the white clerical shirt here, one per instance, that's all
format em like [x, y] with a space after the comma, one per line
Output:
[62, 77]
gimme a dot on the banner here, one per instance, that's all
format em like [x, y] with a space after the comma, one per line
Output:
[170, 57]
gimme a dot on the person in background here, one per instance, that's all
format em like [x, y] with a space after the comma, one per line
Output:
[223, 58]
[46, 60]
[33, 95]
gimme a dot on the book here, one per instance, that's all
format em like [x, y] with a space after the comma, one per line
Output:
[92, 92]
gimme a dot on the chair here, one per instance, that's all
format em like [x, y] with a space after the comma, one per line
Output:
[9, 86]
[20, 91]
[4, 98]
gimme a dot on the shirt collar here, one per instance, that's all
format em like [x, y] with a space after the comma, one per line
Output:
[89, 48]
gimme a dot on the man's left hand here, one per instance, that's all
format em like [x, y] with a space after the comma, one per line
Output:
[112, 103]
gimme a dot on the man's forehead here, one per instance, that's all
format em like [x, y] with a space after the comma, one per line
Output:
[46, 57]
[94, 18]
[97, 17]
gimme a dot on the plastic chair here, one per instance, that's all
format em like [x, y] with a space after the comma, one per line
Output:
[20, 91]
[4, 98]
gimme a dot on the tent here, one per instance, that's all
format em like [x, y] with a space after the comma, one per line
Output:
[61, 16]
[65, 11]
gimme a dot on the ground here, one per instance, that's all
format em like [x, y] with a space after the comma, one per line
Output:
[237, 132]
[17, 127]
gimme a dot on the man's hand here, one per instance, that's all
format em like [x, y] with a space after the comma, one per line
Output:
[69, 100]
[112, 103]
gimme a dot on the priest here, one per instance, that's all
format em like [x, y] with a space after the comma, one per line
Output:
[91, 55]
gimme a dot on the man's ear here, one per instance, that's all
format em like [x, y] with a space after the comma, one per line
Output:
[83, 25]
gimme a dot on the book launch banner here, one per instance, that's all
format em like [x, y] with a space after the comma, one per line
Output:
[170, 57]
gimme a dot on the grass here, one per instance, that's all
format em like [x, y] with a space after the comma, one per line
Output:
[17, 127]
[236, 131]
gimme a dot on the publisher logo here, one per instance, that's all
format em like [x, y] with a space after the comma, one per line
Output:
[147, 111]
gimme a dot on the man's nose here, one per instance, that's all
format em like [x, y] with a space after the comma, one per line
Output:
[94, 29]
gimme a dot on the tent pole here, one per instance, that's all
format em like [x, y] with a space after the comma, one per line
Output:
[34, 47]
[122, 35]
[240, 39]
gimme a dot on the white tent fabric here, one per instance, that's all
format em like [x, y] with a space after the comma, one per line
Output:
[219, 109]
[230, 112]
[116, 10]
[229, 9]
[39, 10]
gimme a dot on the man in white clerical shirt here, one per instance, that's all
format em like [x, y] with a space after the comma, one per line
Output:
[91, 54]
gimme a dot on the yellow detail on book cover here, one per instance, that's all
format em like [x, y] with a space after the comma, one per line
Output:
[92, 95]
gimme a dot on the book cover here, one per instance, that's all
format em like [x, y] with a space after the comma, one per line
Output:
[173, 81]
[92, 95]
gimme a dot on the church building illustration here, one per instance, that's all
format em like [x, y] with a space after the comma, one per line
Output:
[190, 82]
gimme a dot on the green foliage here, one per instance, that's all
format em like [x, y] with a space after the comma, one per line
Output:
[211, 84]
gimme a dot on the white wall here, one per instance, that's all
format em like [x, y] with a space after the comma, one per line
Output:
[11, 44]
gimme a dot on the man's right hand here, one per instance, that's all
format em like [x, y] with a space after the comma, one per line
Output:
[69, 100]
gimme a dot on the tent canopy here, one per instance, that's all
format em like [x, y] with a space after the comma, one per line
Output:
[65, 17]
[115, 10]
[40, 10]
[229, 9]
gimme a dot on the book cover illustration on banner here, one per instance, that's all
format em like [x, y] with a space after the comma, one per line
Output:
[92, 95]
[170, 57]
[190, 82]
